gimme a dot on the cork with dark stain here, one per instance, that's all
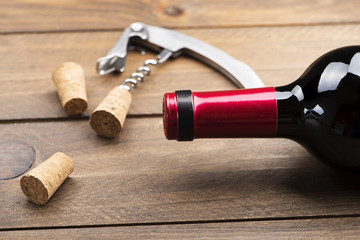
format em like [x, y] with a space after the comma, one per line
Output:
[109, 117]
[41, 182]
[69, 81]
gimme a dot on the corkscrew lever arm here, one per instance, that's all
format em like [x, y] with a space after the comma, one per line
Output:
[172, 44]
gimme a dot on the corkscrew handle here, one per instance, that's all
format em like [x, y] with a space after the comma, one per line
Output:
[172, 44]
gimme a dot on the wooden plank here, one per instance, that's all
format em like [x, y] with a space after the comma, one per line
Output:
[333, 228]
[278, 54]
[142, 178]
[61, 15]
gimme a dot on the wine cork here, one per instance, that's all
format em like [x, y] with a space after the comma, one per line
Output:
[41, 182]
[109, 117]
[69, 81]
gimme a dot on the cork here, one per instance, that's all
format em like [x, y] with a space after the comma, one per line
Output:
[109, 117]
[41, 182]
[69, 81]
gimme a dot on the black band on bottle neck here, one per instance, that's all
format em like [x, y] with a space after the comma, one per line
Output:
[185, 115]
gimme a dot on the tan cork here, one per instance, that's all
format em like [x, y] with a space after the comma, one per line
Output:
[109, 117]
[69, 81]
[41, 182]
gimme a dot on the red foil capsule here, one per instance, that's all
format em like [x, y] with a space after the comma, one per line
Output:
[170, 116]
[229, 114]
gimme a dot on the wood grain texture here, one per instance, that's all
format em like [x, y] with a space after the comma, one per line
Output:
[61, 15]
[141, 177]
[336, 228]
[278, 54]
[139, 185]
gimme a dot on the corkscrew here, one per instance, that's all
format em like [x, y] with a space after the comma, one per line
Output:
[139, 75]
[108, 118]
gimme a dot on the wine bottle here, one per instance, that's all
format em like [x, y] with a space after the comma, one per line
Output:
[320, 110]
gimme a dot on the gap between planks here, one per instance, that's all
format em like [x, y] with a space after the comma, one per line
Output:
[68, 119]
[183, 222]
[274, 25]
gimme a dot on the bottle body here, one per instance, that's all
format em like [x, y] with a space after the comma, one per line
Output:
[320, 110]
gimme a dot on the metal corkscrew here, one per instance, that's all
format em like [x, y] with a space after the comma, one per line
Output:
[139, 75]
[109, 117]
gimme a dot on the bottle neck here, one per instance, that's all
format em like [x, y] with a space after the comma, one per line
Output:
[222, 114]
[288, 113]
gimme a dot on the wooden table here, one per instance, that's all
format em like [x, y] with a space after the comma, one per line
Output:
[140, 185]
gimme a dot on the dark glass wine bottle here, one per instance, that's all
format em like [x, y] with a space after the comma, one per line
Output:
[320, 110]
